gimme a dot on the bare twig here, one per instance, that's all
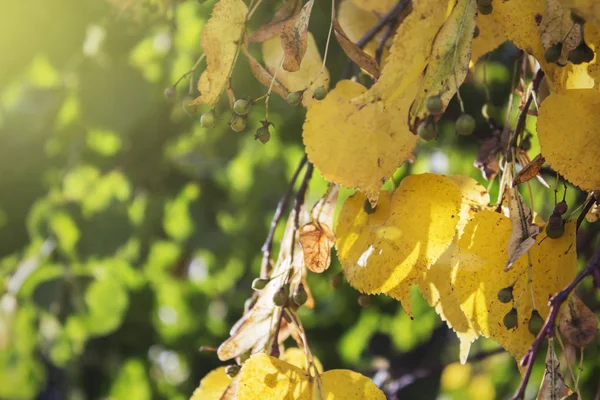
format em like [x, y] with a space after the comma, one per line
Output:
[267, 247]
[386, 35]
[548, 330]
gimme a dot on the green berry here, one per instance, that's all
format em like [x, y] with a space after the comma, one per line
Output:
[465, 125]
[237, 122]
[300, 296]
[427, 129]
[485, 10]
[505, 295]
[295, 98]
[259, 283]
[561, 208]
[364, 300]
[552, 53]
[188, 106]
[555, 227]
[475, 32]
[320, 93]
[232, 370]
[280, 298]
[242, 106]
[170, 93]
[484, 3]
[535, 323]
[434, 104]
[208, 119]
[490, 111]
[369, 209]
[576, 18]
[511, 319]
[336, 281]
[262, 134]
[581, 54]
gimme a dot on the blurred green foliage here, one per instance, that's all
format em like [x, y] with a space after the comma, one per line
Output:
[129, 235]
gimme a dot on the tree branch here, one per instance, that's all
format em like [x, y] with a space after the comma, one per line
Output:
[548, 330]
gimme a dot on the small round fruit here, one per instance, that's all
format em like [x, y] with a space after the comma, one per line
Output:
[434, 104]
[476, 32]
[490, 111]
[170, 93]
[280, 298]
[320, 93]
[364, 300]
[336, 281]
[555, 231]
[295, 98]
[259, 283]
[427, 129]
[526, 143]
[369, 209]
[576, 18]
[262, 134]
[465, 125]
[237, 122]
[232, 370]
[581, 54]
[485, 10]
[552, 53]
[505, 295]
[242, 106]
[484, 3]
[208, 119]
[511, 319]
[561, 208]
[535, 323]
[300, 296]
[188, 106]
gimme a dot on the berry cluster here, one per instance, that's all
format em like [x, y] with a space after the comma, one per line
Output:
[427, 129]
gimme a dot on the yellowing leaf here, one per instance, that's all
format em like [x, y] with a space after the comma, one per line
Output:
[529, 171]
[380, 7]
[589, 9]
[342, 384]
[220, 39]
[567, 127]
[491, 35]
[478, 276]
[357, 145]
[299, 80]
[356, 22]
[354, 52]
[294, 38]
[518, 22]
[296, 357]
[387, 251]
[288, 10]
[450, 59]
[553, 385]
[212, 386]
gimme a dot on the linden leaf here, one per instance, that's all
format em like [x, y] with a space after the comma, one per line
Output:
[299, 80]
[294, 34]
[589, 9]
[450, 59]
[342, 384]
[354, 52]
[370, 141]
[491, 35]
[356, 22]
[577, 322]
[297, 357]
[212, 386]
[388, 250]
[379, 7]
[567, 125]
[263, 76]
[317, 237]
[523, 232]
[220, 39]
[557, 26]
[478, 276]
[287, 11]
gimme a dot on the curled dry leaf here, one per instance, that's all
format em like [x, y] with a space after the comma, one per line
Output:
[524, 231]
[354, 52]
[529, 171]
[486, 159]
[577, 322]
[553, 385]
[264, 76]
[287, 11]
[317, 237]
[294, 36]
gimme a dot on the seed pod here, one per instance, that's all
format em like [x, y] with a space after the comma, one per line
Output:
[280, 298]
[295, 98]
[511, 319]
[490, 111]
[188, 107]
[369, 209]
[300, 296]
[170, 93]
[561, 208]
[208, 119]
[552, 53]
[535, 323]
[505, 295]
[242, 106]
[232, 370]
[555, 227]
[262, 134]
[475, 32]
[427, 129]
[336, 281]
[485, 10]
[237, 122]
[581, 54]
[259, 283]
[434, 104]
[364, 300]
[320, 93]
[465, 125]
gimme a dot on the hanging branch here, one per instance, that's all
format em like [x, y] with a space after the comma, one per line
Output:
[548, 329]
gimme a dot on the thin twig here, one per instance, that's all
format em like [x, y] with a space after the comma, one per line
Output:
[300, 195]
[585, 210]
[267, 247]
[548, 330]
[386, 35]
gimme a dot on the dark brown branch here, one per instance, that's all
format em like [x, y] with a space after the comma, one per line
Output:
[548, 329]
[267, 247]
[585, 210]
[386, 35]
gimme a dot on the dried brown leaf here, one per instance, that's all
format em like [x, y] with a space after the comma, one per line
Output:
[524, 231]
[486, 159]
[354, 52]
[264, 76]
[553, 385]
[577, 322]
[288, 10]
[529, 171]
[293, 38]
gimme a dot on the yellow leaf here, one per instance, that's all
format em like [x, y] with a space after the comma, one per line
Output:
[299, 80]
[478, 276]
[220, 39]
[294, 34]
[491, 35]
[342, 384]
[567, 127]
[379, 7]
[356, 22]
[263, 76]
[357, 145]
[355, 53]
[589, 9]
[387, 251]
[450, 58]
[296, 357]
[212, 386]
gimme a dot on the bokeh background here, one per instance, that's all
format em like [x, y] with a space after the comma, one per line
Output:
[129, 235]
